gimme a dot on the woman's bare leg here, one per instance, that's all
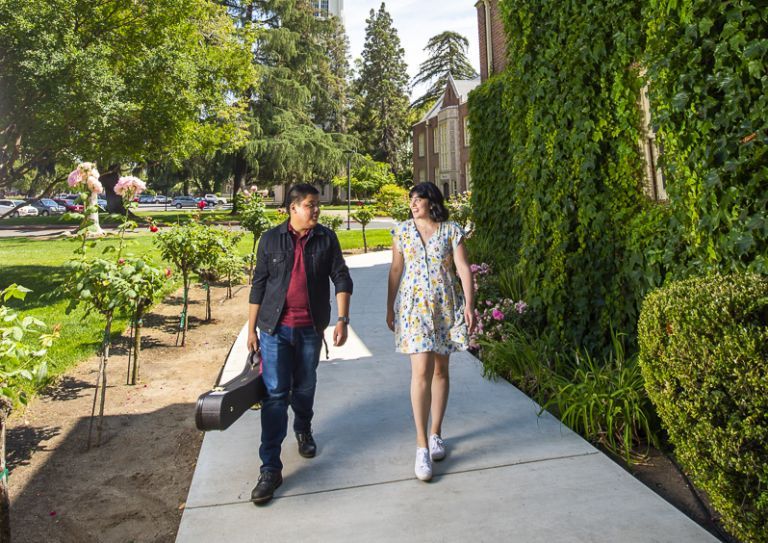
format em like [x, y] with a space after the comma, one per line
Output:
[422, 369]
[440, 389]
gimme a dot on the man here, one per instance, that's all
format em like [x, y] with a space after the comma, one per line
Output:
[290, 304]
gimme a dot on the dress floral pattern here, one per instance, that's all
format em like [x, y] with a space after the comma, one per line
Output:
[429, 306]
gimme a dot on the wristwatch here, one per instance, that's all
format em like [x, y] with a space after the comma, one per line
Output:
[345, 320]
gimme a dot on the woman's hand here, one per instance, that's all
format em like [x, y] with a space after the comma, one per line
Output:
[391, 319]
[469, 318]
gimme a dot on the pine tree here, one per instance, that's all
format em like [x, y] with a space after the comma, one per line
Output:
[447, 54]
[296, 109]
[382, 105]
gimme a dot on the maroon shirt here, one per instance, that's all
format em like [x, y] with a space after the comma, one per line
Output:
[296, 310]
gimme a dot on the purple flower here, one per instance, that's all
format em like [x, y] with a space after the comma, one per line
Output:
[488, 303]
[498, 315]
[521, 307]
[474, 268]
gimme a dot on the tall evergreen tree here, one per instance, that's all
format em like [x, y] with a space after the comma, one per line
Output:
[296, 98]
[331, 103]
[382, 84]
[447, 54]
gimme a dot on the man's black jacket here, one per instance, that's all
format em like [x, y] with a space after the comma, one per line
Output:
[274, 262]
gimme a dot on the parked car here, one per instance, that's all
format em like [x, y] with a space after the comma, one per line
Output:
[102, 203]
[212, 199]
[160, 199]
[147, 199]
[70, 205]
[46, 206]
[24, 211]
[184, 201]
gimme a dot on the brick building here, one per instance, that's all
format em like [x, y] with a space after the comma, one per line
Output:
[441, 140]
[326, 8]
[493, 40]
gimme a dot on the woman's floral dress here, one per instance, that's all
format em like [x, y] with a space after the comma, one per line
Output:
[429, 306]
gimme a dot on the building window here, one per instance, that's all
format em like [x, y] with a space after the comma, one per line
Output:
[444, 147]
[422, 175]
[468, 175]
[437, 175]
[655, 185]
[466, 131]
[434, 140]
[421, 144]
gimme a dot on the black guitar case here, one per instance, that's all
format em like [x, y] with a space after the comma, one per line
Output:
[222, 406]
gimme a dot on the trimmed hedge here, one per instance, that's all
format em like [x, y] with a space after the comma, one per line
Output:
[704, 357]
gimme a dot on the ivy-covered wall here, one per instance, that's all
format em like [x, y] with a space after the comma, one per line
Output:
[707, 66]
[564, 200]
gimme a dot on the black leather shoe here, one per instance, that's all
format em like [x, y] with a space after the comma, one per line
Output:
[307, 445]
[265, 488]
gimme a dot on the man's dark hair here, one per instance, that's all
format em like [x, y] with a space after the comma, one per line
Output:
[428, 190]
[299, 192]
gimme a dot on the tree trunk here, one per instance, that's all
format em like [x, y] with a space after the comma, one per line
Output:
[94, 229]
[101, 383]
[109, 180]
[5, 499]
[207, 302]
[250, 267]
[365, 243]
[136, 348]
[185, 306]
[239, 171]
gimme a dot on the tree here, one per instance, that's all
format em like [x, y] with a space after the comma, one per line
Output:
[366, 177]
[23, 354]
[294, 115]
[364, 215]
[382, 107]
[447, 55]
[119, 82]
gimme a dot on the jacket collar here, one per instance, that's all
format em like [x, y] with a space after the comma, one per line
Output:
[316, 231]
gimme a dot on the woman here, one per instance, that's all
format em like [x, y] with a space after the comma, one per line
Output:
[427, 311]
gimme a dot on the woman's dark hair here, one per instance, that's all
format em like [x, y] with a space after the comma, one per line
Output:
[428, 190]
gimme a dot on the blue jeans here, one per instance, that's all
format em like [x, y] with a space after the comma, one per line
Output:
[289, 366]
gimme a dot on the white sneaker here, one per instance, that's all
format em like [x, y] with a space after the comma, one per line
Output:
[436, 447]
[423, 467]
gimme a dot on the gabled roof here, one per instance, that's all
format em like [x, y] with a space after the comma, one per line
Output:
[461, 87]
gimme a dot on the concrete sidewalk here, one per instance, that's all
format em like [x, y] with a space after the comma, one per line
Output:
[510, 475]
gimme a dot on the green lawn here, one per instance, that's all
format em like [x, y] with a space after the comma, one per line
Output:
[39, 265]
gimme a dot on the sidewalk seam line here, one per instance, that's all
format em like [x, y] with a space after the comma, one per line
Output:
[393, 481]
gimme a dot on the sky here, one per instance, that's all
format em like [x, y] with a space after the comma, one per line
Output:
[416, 21]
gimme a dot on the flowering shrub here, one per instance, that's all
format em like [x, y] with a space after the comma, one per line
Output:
[333, 222]
[460, 207]
[495, 314]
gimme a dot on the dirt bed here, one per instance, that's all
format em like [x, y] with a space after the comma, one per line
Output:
[132, 487]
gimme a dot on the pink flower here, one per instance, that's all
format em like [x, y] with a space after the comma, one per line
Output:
[75, 178]
[130, 186]
[167, 272]
[94, 185]
[474, 268]
[498, 315]
[121, 261]
[521, 307]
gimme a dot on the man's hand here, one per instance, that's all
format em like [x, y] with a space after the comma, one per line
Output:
[253, 342]
[339, 334]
